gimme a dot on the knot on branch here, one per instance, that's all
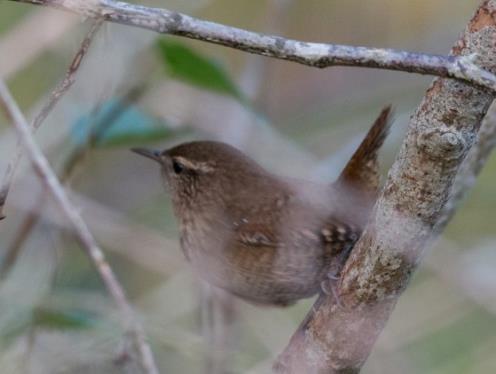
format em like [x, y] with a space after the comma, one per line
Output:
[172, 22]
[446, 144]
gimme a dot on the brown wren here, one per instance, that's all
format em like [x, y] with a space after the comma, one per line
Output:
[265, 238]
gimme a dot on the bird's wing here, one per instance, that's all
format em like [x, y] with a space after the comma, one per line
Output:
[339, 236]
[255, 234]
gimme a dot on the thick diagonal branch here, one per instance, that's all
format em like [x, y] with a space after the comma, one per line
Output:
[406, 215]
[84, 236]
[319, 55]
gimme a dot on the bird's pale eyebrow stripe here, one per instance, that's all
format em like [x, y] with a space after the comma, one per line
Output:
[194, 165]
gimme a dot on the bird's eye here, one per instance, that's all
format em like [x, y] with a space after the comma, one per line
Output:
[177, 167]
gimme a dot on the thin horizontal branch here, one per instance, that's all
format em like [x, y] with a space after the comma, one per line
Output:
[335, 339]
[85, 237]
[61, 88]
[319, 55]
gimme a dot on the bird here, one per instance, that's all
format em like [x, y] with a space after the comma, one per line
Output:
[267, 239]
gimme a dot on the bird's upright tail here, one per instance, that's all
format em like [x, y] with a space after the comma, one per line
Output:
[362, 170]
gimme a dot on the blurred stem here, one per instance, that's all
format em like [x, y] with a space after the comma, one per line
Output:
[76, 157]
[26, 365]
[23, 233]
[131, 325]
[62, 87]
[99, 130]
[59, 91]
[217, 314]
[30, 342]
[276, 20]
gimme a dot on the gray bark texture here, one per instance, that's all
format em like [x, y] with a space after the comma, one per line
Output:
[335, 339]
[320, 55]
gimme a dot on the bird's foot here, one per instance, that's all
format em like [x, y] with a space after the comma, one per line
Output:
[329, 287]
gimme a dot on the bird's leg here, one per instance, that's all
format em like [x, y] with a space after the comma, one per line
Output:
[329, 286]
[333, 275]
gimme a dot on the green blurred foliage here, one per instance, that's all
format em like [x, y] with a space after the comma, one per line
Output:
[49, 318]
[183, 63]
[11, 14]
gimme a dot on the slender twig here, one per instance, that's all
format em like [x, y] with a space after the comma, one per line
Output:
[61, 88]
[86, 239]
[319, 55]
[31, 220]
[217, 313]
[14, 249]
[98, 130]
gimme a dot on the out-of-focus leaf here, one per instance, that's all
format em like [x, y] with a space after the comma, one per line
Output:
[63, 319]
[185, 64]
[48, 318]
[10, 15]
[118, 124]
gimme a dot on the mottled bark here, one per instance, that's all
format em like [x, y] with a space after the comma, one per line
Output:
[440, 134]
[471, 166]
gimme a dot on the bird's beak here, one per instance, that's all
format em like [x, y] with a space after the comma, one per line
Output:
[149, 153]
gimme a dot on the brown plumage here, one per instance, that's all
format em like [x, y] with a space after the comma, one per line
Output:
[267, 239]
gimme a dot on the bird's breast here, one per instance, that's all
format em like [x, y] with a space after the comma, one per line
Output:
[263, 271]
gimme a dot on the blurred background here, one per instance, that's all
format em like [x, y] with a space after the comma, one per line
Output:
[137, 88]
